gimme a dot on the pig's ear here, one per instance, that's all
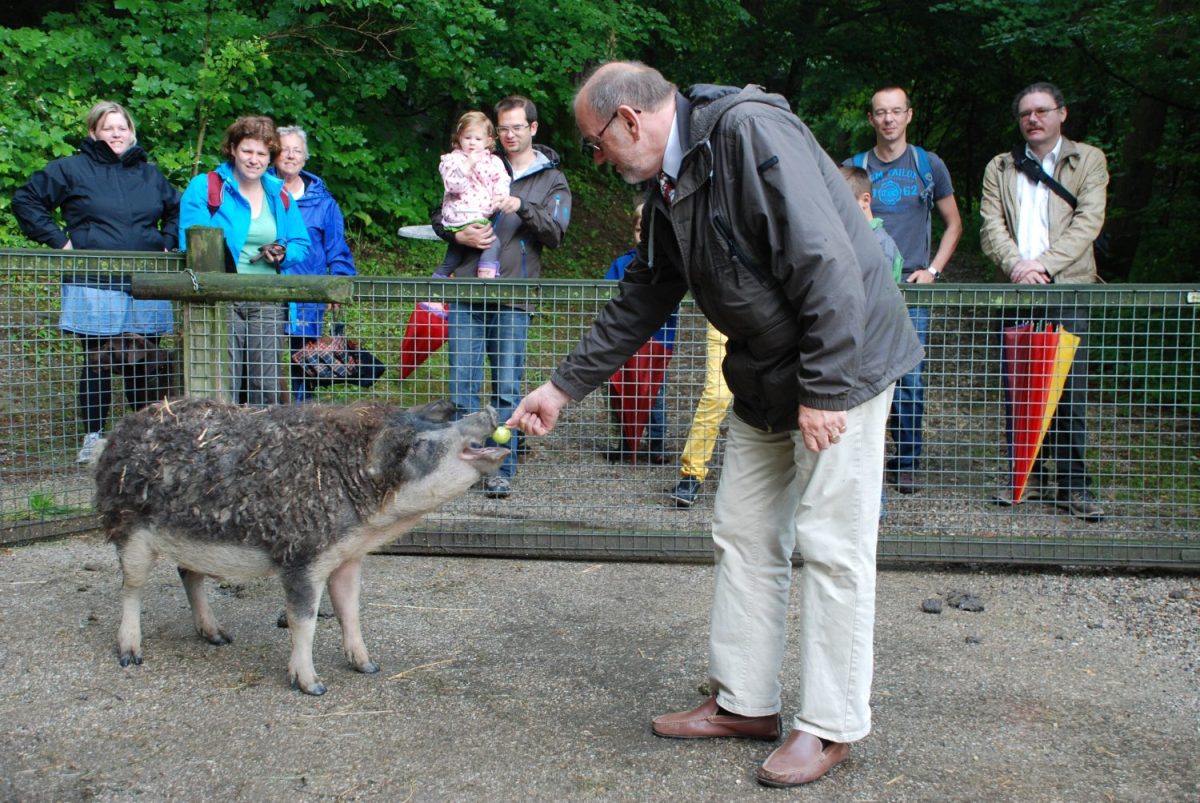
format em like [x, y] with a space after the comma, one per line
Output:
[388, 450]
[439, 411]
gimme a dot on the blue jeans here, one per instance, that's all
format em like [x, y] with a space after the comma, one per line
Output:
[908, 404]
[499, 332]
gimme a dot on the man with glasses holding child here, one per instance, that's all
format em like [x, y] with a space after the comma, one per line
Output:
[536, 214]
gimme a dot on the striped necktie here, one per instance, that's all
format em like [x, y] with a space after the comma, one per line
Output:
[667, 186]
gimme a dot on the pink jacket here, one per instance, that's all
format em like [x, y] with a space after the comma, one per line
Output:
[469, 192]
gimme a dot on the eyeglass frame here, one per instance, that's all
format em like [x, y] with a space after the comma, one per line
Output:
[879, 114]
[1025, 115]
[594, 145]
[517, 128]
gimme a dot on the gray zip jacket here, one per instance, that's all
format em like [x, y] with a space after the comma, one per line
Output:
[766, 235]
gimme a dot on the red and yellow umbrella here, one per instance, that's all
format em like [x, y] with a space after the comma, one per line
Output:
[1036, 364]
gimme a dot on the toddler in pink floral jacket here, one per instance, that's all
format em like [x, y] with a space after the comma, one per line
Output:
[474, 176]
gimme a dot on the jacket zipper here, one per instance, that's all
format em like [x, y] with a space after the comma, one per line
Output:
[736, 253]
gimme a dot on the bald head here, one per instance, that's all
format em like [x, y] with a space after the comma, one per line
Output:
[628, 83]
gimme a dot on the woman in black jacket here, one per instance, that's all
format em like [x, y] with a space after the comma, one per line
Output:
[111, 199]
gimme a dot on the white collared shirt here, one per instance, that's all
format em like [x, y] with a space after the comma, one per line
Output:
[673, 156]
[1033, 207]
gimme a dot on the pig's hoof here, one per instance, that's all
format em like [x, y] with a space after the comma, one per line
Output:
[316, 689]
[369, 668]
[219, 638]
[128, 658]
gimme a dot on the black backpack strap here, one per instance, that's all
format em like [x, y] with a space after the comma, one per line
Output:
[1032, 168]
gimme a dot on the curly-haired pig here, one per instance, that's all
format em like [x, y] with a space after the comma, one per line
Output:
[302, 491]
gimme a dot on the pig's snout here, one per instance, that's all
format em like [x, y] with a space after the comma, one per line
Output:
[479, 426]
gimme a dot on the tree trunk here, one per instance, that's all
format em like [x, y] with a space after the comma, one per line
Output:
[1133, 189]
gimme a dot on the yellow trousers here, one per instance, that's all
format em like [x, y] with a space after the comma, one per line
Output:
[710, 410]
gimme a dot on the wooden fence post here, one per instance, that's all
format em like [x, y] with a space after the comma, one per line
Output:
[205, 335]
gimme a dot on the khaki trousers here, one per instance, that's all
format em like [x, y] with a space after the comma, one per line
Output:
[776, 496]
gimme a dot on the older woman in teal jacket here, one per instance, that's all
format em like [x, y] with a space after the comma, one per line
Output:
[264, 233]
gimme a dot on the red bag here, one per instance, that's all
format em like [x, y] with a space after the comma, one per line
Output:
[426, 332]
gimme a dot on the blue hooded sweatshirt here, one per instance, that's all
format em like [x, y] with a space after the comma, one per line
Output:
[328, 253]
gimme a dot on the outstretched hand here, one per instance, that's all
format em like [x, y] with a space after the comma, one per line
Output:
[538, 412]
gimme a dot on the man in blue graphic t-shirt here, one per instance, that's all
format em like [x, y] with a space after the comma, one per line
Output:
[907, 184]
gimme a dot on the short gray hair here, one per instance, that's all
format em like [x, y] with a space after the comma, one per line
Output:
[298, 131]
[625, 83]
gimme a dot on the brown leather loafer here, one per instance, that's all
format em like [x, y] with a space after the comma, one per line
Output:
[710, 721]
[802, 759]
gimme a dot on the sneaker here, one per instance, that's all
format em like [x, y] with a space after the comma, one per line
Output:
[496, 487]
[90, 442]
[685, 492]
[1081, 504]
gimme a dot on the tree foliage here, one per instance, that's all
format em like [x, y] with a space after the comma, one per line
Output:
[378, 84]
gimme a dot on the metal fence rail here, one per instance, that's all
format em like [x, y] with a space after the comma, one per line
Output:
[570, 500]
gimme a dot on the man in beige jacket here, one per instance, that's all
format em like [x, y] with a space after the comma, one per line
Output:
[1037, 234]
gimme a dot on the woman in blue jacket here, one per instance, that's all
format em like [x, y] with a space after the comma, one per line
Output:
[264, 233]
[328, 253]
[111, 199]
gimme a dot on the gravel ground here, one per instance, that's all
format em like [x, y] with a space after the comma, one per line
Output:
[536, 680]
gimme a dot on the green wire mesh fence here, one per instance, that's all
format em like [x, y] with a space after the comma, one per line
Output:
[586, 491]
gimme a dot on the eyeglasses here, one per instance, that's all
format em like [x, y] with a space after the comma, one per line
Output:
[896, 112]
[292, 151]
[511, 129]
[592, 146]
[1025, 115]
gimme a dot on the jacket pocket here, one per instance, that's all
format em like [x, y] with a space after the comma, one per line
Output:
[761, 371]
[737, 254]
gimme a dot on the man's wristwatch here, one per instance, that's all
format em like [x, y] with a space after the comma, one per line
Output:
[937, 274]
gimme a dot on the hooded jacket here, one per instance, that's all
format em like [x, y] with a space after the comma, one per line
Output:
[108, 202]
[542, 220]
[233, 215]
[766, 235]
[328, 253]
